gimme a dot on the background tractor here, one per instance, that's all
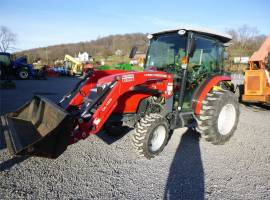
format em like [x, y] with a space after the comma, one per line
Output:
[254, 87]
[183, 85]
[19, 68]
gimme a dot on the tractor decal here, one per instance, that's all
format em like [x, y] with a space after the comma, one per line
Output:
[128, 78]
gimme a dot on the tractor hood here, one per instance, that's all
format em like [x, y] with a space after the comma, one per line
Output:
[130, 76]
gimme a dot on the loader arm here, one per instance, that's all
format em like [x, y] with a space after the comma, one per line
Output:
[73, 60]
[90, 84]
[118, 85]
[260, 56]
[77, 65]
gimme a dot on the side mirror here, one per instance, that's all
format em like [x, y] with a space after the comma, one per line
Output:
[133, 52]
[192, 48]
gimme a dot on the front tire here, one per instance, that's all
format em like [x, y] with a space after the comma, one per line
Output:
[151, 135]
[218, 117]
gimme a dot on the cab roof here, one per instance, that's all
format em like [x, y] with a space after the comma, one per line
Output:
[222, 37]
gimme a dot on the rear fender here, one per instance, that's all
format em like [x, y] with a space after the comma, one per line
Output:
[204, 88]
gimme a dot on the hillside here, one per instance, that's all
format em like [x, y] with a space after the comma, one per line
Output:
[241, 45]
[105, 47]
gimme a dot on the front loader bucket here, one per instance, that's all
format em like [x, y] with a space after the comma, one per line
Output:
[39, 128]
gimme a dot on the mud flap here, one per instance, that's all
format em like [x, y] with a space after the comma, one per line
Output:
[39, 128]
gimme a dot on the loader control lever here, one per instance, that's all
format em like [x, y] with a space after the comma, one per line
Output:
[76, 87]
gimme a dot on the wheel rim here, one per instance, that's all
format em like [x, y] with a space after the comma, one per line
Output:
[24, 74]
[226, 119]
[157, 139]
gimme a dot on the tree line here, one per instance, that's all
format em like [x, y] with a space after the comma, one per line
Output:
[101, 47]
[245, 41]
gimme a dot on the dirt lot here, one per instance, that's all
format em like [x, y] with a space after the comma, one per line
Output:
[189, 167]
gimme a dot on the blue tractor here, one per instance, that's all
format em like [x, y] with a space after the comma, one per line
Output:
[19, 68]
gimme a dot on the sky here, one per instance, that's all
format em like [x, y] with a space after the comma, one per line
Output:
[49, 22]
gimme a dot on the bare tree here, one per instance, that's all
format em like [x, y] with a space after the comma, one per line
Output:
[245, 40]
[7, 39]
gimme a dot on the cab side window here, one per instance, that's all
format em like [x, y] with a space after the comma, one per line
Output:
[220, 63]
[206, 55]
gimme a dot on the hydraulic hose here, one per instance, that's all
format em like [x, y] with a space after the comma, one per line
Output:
[76, 87]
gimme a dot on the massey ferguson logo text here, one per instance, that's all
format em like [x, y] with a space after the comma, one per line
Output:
[128, 78]
[157, 75]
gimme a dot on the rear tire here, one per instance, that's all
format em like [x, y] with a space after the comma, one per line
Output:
[23, 74]
[219, 116]
[151, 135]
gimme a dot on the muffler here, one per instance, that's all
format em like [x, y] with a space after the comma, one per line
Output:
[39, 128]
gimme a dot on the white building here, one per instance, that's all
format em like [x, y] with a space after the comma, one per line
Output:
[118, 52]
[83, 57]
[242, 60]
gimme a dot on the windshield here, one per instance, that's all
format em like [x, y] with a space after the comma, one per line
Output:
[166, 50]
[5, 60]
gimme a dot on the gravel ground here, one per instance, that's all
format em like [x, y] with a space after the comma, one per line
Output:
[188, 168]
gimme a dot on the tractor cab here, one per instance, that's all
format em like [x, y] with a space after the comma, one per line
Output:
[201, 51]
[167, 51]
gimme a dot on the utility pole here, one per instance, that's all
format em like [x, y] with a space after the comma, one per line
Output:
[46, 50]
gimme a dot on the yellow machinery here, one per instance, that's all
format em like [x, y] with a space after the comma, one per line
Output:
[74, 66]
[257, 77]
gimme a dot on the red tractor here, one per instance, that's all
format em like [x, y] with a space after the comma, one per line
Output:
[183, 85]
